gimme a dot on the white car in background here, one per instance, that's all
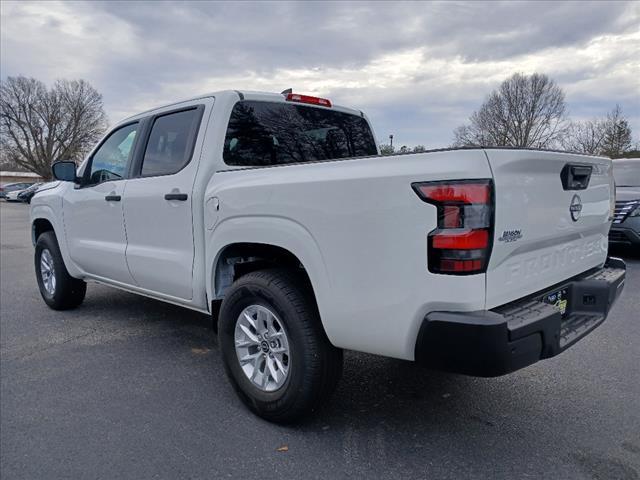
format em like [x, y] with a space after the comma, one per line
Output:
[9, 188]
[12, 196]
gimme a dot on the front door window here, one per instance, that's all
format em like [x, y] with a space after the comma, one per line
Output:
[110, 161]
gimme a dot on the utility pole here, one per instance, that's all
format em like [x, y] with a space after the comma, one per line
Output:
[391, 140]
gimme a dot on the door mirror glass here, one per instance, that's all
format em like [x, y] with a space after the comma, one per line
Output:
[65, 171]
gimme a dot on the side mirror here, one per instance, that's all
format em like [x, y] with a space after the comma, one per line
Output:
[65, 171]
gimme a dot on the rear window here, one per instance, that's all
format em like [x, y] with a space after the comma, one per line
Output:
[627, 172]
[269, 133]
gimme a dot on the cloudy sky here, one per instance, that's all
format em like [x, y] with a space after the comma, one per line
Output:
[417, 69]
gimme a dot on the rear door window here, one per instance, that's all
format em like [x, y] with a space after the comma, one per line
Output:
[171, 142]
[271, 133]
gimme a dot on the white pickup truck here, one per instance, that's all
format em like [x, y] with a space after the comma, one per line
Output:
[275, 214]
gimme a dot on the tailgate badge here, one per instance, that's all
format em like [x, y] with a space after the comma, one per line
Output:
[510, 236]
[575, 208]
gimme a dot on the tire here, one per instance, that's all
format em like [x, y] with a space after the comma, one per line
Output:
[65, 292]
[313, 365]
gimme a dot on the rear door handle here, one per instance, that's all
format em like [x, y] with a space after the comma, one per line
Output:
[176, 196]
[112, 198]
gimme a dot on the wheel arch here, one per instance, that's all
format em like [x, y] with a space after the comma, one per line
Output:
[43, 220]
[287, 241]
[239, 258]
[39, 226]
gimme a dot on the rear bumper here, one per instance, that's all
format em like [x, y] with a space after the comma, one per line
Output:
[495, 342]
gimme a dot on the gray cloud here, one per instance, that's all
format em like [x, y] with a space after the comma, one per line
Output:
[418, 69]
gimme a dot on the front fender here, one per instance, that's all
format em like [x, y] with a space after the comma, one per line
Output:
[45, 211]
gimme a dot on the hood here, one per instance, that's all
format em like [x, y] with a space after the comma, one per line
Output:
[627, 193]
[48, 186]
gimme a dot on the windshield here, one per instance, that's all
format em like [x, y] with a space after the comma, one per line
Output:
[627, 172]
[272, 133]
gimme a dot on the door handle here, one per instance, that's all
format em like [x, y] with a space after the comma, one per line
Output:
[113, 198]
[176, 196]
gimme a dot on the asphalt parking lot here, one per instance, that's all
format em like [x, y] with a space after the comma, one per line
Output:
[128, 387]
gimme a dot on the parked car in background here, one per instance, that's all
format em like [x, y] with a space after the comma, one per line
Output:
[625, 229]
[13, 187]
[27, 194]
[13, 195]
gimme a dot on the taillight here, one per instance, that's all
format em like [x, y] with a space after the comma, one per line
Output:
[295, 97]
[461, 244]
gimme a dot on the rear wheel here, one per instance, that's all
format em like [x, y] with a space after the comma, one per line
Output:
[59, 290]
[274, 348]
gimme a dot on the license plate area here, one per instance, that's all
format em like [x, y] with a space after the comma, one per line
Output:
[559, 299]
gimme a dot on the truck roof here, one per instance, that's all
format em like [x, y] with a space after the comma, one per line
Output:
[241, 95]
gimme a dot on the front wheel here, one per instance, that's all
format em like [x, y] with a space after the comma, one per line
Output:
[59, 290]
[274, 348]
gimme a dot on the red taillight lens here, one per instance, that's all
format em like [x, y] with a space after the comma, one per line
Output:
[462, 242]
[448, 192]
[465, 240]
[295, 97]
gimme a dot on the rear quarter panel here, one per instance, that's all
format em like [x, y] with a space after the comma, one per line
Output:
[361, 232]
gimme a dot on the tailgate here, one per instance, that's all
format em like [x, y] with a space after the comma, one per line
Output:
[546, 229]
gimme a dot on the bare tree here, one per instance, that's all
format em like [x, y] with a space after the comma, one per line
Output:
[525, 111]
[584, 137]
[39, 126]
[617, 134]
[610, 136]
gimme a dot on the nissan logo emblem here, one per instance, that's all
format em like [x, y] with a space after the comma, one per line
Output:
[575, 208]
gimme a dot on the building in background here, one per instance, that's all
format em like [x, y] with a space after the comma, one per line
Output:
[16, 177]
